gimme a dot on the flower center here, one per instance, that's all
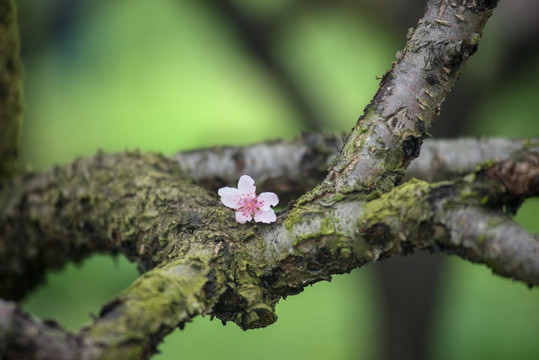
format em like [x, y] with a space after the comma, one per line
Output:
[249, 205]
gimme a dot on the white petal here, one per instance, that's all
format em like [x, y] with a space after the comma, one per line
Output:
[242, 219]
[269, 199]
[246, 184]
[266, 216]
[229, 196]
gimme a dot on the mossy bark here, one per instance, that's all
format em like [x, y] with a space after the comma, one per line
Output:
[136, 203]
[389, 134]
[197, 260]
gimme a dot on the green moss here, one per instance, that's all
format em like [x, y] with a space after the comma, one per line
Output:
[326, 226]
[345, 253]
[149, 306]
[392, 204]
[257, 313]
[320, 190]
[292, 219]
[299, 213]
[467, 193]
[485, 165]
[474, 38]
[374, 195]
[250, 233]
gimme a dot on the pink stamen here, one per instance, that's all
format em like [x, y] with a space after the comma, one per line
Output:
[249, 205]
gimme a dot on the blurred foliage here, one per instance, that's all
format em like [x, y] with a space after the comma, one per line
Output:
[75, 295]
[170, 75]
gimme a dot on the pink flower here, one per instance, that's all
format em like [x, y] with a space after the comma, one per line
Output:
[247, 204]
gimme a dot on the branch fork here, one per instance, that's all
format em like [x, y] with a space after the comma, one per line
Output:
[197, 260]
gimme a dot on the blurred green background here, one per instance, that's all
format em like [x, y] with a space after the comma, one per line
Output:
[177, 75]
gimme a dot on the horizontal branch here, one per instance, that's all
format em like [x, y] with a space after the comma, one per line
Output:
[43, 213]
[414, 216]
[444, 159]
[291, 168]
[211, 264]
[139, 204]
[494, 239]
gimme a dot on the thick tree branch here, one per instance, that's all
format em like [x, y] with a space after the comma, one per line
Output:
[139, 204]
[10, 88]
[198, 260]
[42, 215]
[390, 132]
[239, 274]
[448, 159]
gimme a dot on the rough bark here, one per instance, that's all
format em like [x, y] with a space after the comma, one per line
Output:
[390, 132]
[197, 260]
[239, 273]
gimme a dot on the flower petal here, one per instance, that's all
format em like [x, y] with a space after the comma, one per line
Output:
[242, 218]
[246, 184]
[266, 216]
[268, 199]
[229, 197]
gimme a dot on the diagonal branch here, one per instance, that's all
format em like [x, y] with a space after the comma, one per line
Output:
[162, 299]
[389, 134]
[131, 326]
